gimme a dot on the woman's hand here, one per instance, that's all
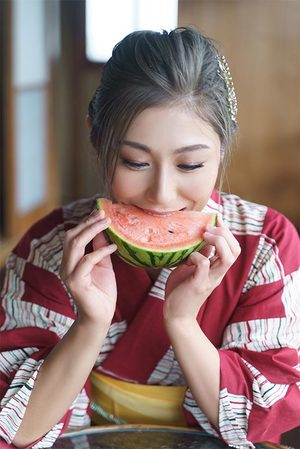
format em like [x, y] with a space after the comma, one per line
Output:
[190, 284]
[90, 277]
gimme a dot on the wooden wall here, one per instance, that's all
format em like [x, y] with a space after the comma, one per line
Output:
[261, 41]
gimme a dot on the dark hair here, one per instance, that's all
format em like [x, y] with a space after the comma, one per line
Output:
[150, 69]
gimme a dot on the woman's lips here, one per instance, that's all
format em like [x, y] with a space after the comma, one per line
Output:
[162, 212]
[158, 212]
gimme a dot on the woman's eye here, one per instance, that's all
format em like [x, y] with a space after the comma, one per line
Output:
[190, 167]
[133, 164]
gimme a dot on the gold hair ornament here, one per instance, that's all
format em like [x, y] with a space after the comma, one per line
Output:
[224, 72]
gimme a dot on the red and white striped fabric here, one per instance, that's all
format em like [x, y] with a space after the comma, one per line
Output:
[253, 318]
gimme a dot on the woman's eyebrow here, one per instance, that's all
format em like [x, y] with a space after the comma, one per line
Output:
[141, 146]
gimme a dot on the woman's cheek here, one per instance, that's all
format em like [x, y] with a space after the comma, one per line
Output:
[127, 184]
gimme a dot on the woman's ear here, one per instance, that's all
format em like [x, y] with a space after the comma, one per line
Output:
[88, 121]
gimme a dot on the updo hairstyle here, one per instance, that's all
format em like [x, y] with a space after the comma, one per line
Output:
[149, 69]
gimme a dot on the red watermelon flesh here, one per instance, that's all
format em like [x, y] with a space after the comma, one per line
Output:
[154, 240]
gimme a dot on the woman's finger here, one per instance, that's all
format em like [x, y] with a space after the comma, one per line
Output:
[80, 241]
[207, 251]
[200, 274]
[74, 248]
[95, 215]
[100, 240]
[200, 262]
[88, 261]
[222, 230]
[224, 257]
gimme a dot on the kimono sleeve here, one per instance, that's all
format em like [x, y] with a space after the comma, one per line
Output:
[260, 368]
[35, 313]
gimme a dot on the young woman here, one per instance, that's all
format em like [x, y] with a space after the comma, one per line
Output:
[214, 340]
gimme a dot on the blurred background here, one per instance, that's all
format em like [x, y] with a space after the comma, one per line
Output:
[49, 71]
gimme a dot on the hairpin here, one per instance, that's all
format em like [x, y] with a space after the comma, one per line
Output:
[224, 72]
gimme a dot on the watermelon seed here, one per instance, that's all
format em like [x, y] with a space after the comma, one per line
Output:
[171, 232]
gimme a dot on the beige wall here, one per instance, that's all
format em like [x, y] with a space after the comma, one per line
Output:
[260, 39]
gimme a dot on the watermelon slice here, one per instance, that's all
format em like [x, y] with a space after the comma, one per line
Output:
[146, 239]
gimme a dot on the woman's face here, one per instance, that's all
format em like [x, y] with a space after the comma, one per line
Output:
[168, 161]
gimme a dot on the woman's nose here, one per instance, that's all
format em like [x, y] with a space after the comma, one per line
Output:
[163, 189]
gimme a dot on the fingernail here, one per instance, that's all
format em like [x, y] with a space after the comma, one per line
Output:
[100, 215]
[94, 213]
[210, 227]
[103, 221]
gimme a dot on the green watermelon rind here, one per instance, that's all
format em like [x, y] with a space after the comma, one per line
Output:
[145, 258]
[149, 258]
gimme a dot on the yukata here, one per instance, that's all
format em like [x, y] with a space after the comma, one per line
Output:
[252, 318]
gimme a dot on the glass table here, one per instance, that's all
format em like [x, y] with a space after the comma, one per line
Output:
[144, 437]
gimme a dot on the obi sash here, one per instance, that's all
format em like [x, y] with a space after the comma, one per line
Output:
[119, 402]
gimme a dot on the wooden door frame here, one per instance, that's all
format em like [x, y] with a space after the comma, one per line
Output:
[15, 223]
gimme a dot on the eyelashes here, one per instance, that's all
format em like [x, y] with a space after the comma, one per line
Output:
[141, 165]
[190, 167]
[133, 164]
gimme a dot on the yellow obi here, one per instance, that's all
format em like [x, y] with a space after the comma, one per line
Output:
[119, 402]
